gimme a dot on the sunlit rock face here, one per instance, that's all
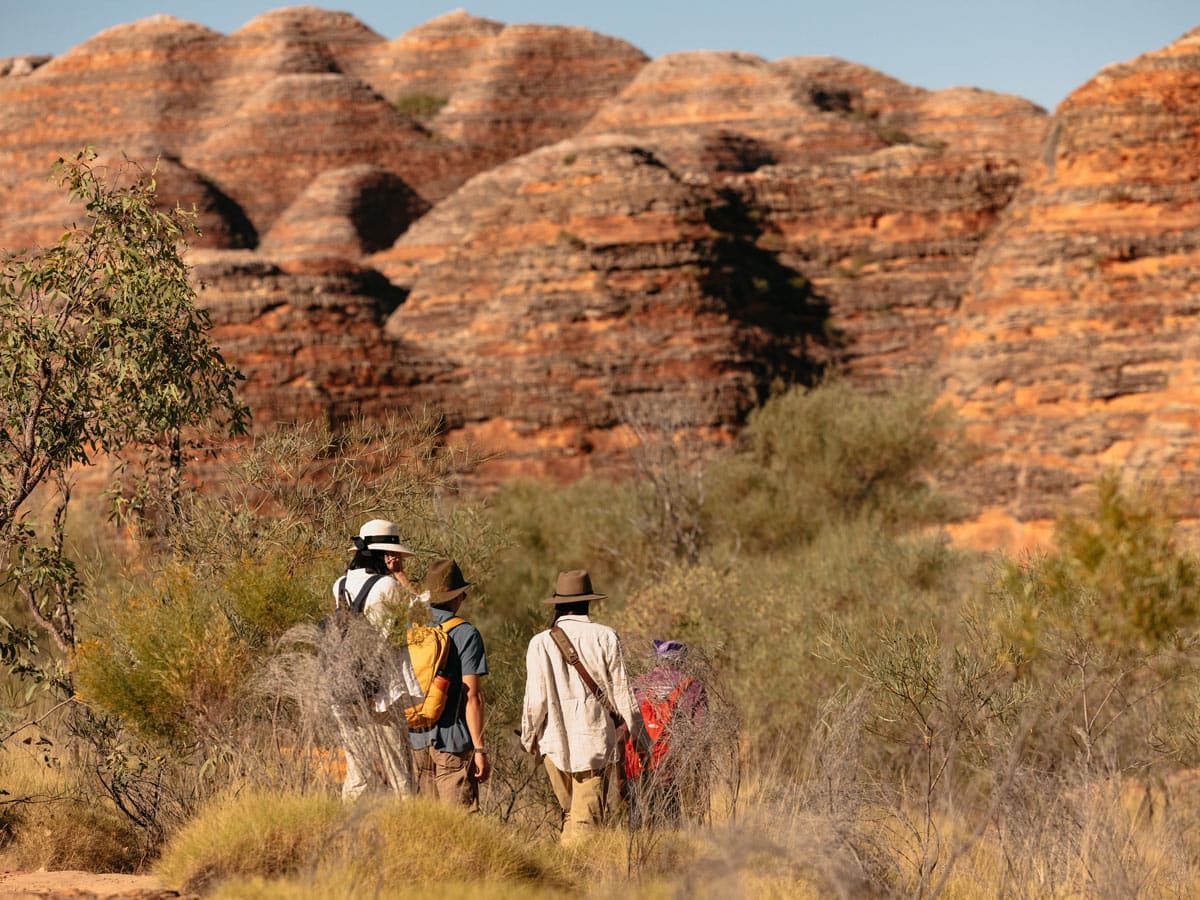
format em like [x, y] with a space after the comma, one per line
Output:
[574, 280]
[1075, 351]
[536, 228]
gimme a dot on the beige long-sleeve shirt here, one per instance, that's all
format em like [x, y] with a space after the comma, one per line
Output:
[561, 713]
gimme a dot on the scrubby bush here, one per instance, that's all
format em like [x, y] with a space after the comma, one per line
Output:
[768, 622]
[549, 528]
[809, 459]
[173, 656]
[420, 106]
[1006, 722]
[1116, 575]
[171, 650]
[176, 658]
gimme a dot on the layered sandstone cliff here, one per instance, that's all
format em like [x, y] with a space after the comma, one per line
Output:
[533, 227]
[1077, 345]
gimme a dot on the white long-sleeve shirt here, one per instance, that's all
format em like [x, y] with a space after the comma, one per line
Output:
[385, 596]
[560, 712]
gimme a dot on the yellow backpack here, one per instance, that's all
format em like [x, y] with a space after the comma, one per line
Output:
[428, 649]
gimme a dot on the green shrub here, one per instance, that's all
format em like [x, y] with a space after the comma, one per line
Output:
[549, 528]
[1116, 574]
[263, 599]
[1102, 632]
[811, 458]
[891, 135]
[173, 649]
[164, 658]
[804, 529]
[768, 622]
[420, 106]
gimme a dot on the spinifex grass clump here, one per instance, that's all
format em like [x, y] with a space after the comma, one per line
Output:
[361, 848]
[251, 833]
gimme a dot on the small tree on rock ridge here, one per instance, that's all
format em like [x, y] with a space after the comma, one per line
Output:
[102, 348]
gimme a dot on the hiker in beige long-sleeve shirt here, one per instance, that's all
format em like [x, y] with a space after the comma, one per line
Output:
[565, 721]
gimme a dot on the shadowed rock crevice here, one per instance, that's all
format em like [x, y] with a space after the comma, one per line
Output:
[382, 208]
[236, 230]
[732, 151]
[787, 334]
[344, 214]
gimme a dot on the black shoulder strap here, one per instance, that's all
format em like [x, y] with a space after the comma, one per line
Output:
[361, 599]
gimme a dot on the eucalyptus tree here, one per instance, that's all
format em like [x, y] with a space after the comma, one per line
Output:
[103, 348]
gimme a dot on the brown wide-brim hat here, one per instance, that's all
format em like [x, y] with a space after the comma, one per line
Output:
[444, 581]
[572, 587]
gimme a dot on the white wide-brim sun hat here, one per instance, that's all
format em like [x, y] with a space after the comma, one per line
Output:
[380, 534]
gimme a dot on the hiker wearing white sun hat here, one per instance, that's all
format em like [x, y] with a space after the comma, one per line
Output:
[374, 734]
[379, 539]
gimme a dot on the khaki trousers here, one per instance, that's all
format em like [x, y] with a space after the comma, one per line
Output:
[587, 798]
[450, 777]
[378, 756]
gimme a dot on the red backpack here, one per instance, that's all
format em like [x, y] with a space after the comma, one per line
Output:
[656, 715]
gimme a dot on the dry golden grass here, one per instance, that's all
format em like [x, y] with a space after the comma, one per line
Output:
[253, 833]
[1110, 838]
[259, 845]
[334, 883]
[370, 845]
[48, 820]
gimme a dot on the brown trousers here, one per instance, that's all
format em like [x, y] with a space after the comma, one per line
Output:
[450, 777]
[588, 799]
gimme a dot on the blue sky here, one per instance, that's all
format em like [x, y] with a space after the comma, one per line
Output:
[1039, 49]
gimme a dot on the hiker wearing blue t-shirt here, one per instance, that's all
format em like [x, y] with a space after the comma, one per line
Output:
[450, 758]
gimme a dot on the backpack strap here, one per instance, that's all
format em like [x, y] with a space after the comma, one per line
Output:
[360, 600]
[451, 623]
[572, 657]
[664, 709]
[680, 689]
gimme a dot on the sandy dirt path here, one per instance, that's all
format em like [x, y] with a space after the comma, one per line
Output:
[82, 886]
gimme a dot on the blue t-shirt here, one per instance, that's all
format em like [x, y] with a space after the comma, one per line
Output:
[466, 657]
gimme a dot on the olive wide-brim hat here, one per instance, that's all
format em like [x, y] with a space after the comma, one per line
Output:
[444, 581]
[572, 587]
